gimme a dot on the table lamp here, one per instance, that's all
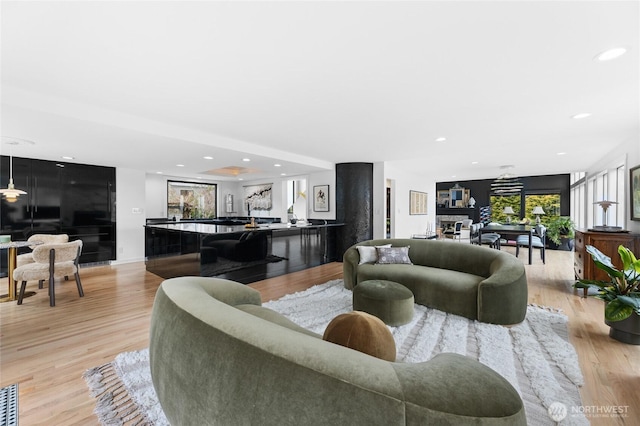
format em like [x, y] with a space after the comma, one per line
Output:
[508, 211]
[537, 210]
[606, 228]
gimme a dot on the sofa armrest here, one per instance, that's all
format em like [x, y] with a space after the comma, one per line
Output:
[502, 297]
[451, 386]
[350, 262]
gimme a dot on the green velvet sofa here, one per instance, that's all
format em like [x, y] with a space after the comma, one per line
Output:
[219, 358]
[464, 279]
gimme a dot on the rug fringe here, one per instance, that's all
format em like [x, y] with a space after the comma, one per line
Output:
[114, 405]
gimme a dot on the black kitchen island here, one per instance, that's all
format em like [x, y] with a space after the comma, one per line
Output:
[209, 249]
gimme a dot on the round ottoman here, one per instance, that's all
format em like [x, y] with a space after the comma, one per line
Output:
[388, 300]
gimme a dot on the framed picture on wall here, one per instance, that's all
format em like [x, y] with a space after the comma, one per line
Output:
[417, 202]
[443, 198]
[321, 198]
[634, 187]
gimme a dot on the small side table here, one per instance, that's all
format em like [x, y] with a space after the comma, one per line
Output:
[12, 247]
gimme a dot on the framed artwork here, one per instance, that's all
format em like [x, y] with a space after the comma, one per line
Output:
[443, 198]
[417, 202]
[321, 198]
[634, 187]
[258, 197]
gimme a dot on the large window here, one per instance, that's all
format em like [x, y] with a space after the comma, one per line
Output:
[189, 200]
[498, 204]
[550, 204]
[586, 191]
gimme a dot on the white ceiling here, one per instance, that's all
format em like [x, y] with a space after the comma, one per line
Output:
[148, 85]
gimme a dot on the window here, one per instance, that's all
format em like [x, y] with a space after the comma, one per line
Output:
[499, 202]
[189, 200]
[550, 203]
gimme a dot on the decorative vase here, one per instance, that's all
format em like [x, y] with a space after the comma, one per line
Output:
[626, 331]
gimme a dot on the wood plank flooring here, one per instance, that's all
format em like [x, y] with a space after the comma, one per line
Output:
[46, 349]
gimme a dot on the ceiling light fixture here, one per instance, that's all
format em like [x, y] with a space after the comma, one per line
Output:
[581, 115]
[610, 54]
[11, 194]
[507, 183]
[66, 157]
[277, 165]
[441, 139]
[246, 159]
[206, 157]
[179, 165]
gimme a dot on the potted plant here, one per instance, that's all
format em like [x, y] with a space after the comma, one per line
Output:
[560, 233]
[621, 293]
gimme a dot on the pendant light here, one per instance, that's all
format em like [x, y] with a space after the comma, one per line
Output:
[507, 183]
[11, 194]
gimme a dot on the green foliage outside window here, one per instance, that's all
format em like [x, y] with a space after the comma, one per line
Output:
[499, 202]
[550, 203]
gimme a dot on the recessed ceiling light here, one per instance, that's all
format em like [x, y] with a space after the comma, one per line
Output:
[66, 157]
[283, 174]
[581, 115]
[246, 159]
[240, 179]
[206, 157]
[474, 162]
[453, 175]
[179, 165]
[441, 139]
[610, 54]
[277, 165]
[159, 173]
[561, 153]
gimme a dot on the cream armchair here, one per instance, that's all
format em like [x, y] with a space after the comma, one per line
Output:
[26, 258]
[51, 261]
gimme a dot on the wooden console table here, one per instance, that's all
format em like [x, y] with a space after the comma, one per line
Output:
[607, 243]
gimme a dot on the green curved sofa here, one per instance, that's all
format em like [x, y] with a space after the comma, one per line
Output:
[218, 357]
[464, 279]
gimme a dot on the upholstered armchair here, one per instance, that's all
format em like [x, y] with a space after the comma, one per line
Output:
[51, 261]
[26, 258]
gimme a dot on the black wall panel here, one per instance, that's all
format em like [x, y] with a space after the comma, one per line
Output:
[354, 203]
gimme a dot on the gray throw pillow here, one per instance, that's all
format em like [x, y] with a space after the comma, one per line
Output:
[388, 255]
[368, 254]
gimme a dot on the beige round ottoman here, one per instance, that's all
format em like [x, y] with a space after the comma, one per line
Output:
[388, 300]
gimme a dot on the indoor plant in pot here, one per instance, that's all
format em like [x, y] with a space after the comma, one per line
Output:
[560, 233]
[621, 293]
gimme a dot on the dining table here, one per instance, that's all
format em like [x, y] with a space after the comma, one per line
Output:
[12, 253]
[511, 229]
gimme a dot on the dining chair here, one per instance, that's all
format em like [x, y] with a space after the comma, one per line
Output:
[454, 232]
[537, 241]
[24, 258]
[492, 239]
[51, 261]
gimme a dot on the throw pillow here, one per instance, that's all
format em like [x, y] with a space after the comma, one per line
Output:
[368, 254]
[362, 332]
[387, 255]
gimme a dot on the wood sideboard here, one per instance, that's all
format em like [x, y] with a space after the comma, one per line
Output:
[607, 243]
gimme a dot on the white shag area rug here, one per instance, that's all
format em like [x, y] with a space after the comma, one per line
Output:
[534, 356]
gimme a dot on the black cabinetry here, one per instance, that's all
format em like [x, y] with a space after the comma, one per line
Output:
[74, 199]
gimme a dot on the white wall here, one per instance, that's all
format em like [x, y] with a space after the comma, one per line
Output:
[404, 224]
[322, 178]
[130, 215]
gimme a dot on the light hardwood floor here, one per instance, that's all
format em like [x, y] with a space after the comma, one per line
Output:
[46, 349]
